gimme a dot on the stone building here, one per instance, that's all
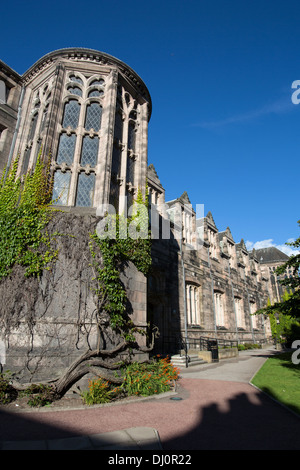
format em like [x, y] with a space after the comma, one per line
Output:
[271, 258]
[91, 111]
[203, 283]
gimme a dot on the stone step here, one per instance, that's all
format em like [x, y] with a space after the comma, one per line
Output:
[193, 359]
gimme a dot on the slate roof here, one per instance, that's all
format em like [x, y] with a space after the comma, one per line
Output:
[270, 255]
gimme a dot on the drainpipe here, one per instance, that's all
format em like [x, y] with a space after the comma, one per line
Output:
[13, 143]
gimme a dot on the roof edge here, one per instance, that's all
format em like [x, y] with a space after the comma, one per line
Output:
[101, 57]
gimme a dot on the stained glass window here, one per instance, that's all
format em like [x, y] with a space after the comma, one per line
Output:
[85, 190]
[93, 117]
[61, 187]
[89, 152]
[71, 114]
[66, 149]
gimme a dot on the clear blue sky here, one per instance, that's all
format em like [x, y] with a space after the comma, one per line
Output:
[219, 72]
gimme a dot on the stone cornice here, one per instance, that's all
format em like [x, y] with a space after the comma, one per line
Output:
[101, 58]
[9, 72]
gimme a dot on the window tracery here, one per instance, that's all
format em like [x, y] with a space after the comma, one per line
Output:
[37, 124]
[79, 140]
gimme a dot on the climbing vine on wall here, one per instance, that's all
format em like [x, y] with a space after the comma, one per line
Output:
[25, 210]
[116, 252]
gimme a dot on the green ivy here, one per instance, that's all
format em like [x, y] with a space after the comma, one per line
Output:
[25, 211]
[115, 253]
[24, 214]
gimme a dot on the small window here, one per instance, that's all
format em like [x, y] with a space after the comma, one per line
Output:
[85, 190]
[219, 308]
[71, 114]
[130, 170]
[98, 82]
[89, 152]
[75, 90]
[95, 93]
[73, 78]
[33, 124]
[240, 316]
[26, 159]
[66, 149]
[192, 302]
[131, 136]
[93, 117]
[61, 187]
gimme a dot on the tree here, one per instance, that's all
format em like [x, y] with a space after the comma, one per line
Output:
[290, 304]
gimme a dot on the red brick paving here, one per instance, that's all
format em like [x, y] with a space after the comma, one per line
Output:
[211, 415]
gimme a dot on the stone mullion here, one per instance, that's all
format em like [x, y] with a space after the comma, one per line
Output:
[56, 108]
[75, 167]
[192, 304]
[36, 137]
[188, 303]
[142, 147]
[103, 169]
[123, 170]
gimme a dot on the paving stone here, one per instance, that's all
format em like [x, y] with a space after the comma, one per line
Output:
[24, 445]
[70, 443]
[116, 438]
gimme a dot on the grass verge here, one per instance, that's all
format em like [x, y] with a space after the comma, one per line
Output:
[280, 379]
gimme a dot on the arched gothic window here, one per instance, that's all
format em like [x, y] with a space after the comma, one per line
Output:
[219, 308]
[131, 136]
[78, 149]
[93, 117]
[89, 152]
[71, 114]
[85, 190]
[61, 187]
[192, 301]
[66, 149]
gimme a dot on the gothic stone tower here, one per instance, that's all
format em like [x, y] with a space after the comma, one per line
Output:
[90, 112]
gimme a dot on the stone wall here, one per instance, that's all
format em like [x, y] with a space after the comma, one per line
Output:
[48, 322]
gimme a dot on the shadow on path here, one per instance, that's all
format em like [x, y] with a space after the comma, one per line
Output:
[242, 424]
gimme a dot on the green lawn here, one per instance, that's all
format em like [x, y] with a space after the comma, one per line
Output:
[280, 378]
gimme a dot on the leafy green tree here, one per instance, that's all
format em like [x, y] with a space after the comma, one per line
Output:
[290, 303]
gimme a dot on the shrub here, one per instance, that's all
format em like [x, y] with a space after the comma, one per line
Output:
[99, 391]
[7, 391]
[243, 347]
[149, 378]
[39, 395]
